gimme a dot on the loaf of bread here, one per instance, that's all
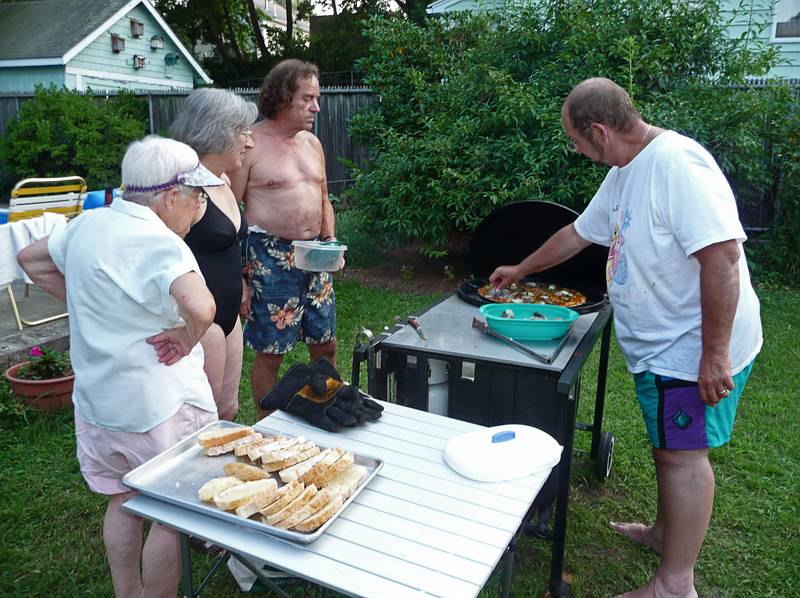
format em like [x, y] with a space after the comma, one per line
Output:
[348, 481]
[242, 449]
[245, 472]
[298, 503]
[215, 451]
[213, 487]
[311, 506]
[258, 501]
[220, 435]
[315, 521]
[236, 496]
[341, 465]
[283, 497]
[304, 454]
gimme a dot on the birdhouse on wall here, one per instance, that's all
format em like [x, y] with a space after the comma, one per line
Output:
[138, 61]
[137, 28]
[117, 43]
[171, 59]
[156, 42]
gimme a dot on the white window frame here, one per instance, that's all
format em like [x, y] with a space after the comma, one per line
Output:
[775, 38]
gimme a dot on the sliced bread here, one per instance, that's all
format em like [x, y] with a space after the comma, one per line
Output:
[236, 496]
[314, 504]
[296, 458]
[341, 465]
[298, 503]
[258, 501]
[245, 472]
[294, 472]
[241, 450]
[214, 486]
[283, 497]
[279, 443]
[332, 457]
[221, 449]
[348, 481]
[315, 521]
[219, 435]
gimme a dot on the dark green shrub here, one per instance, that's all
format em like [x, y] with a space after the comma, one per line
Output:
[63, 132]
[469, 111]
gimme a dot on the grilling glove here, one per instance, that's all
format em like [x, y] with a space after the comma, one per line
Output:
[317, 393]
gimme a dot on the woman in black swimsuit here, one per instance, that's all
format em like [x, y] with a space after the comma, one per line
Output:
[216, 123]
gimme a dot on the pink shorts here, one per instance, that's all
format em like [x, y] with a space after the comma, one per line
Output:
[105, 456]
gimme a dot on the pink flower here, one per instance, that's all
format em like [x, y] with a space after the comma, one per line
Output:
[36, 351]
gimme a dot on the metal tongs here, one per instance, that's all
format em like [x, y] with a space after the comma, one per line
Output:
[484, 327]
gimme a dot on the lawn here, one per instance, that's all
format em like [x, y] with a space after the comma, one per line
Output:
[51, 523]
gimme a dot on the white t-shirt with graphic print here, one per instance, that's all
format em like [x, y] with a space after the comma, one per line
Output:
[670, 201]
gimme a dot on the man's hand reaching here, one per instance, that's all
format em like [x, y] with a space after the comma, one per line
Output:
[504, 276]
[172, 345]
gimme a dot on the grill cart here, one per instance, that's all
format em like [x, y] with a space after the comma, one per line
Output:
[458, 371]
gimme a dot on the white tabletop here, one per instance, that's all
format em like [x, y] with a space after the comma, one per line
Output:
[419, 528]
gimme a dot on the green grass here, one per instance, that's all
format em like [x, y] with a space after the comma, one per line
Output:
[51, 524]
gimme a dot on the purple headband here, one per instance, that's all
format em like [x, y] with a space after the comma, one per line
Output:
[178, 180]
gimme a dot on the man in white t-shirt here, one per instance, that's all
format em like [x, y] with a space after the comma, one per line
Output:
[686, 316]
[138, 306]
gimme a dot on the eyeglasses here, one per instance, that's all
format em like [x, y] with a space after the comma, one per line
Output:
[571, 147]
[246, 132]
[200, 195]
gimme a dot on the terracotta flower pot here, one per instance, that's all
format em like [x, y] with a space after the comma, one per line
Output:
[45, 395]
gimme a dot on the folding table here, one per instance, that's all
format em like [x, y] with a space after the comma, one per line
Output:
[417, 528]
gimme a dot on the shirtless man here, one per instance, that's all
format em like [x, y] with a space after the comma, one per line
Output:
[283, 186]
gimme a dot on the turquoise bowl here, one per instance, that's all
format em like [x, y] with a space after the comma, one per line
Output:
[555, 325]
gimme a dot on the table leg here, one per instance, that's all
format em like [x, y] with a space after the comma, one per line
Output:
[265, 580]
[508, 566]
[186, 567]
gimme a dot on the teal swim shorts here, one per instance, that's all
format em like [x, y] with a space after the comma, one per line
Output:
[677, 419]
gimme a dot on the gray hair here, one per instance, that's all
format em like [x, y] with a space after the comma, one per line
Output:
[600, 100]
[153, 162]
[211, 119]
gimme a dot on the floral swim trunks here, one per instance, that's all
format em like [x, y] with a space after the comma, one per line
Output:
[286, 303]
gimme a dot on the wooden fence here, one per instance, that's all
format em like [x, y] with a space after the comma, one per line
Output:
[338, 104]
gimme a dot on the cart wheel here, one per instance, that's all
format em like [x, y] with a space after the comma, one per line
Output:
[605, 456]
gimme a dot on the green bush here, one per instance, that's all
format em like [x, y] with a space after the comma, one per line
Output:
[469, 110]
[355, 229]
[60, 132]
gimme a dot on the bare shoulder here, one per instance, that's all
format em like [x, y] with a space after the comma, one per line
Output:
[307, 137]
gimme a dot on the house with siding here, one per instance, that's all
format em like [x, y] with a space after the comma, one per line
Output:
[97, 44]
[775, 21]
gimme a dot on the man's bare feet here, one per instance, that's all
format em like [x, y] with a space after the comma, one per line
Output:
[643, 534]
[655, 588]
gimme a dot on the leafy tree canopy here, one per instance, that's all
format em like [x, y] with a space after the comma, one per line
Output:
[469, 110]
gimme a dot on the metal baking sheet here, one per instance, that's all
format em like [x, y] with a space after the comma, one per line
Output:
[177, 474]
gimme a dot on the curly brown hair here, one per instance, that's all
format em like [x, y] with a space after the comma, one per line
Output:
[281, 83]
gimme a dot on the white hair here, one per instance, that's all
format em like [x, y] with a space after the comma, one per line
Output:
[211, 119]
[154, 163]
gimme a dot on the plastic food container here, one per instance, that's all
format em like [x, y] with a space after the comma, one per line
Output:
[502, 453]
[557, 320]
[318, 256]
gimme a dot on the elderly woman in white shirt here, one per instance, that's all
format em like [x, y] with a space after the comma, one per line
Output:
[138, 307]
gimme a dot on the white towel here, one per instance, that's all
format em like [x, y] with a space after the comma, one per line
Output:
[14, 236]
